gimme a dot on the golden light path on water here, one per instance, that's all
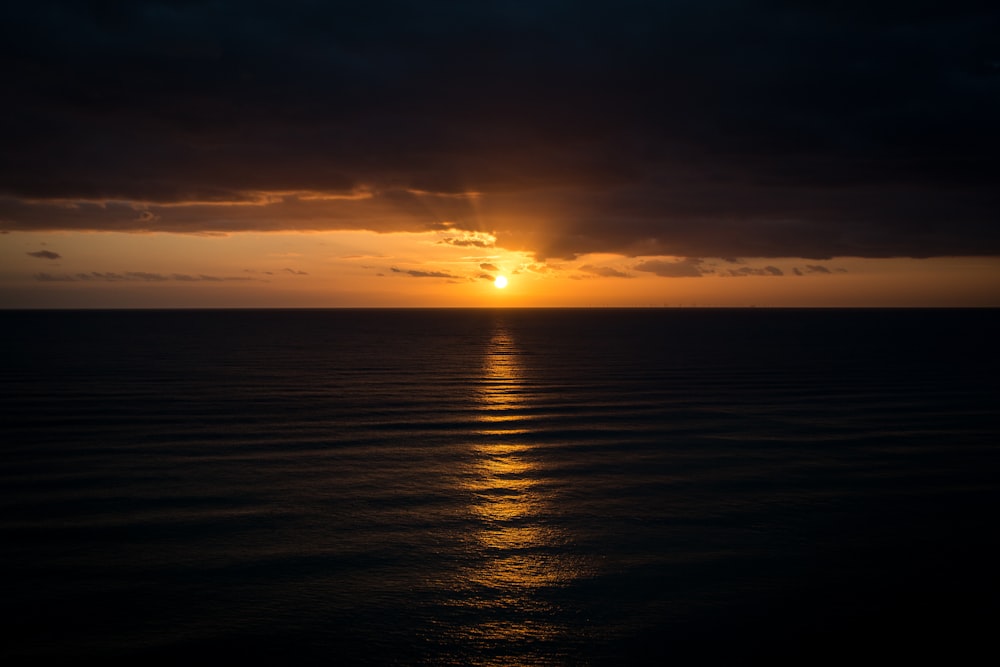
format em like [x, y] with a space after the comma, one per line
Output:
[521, 548]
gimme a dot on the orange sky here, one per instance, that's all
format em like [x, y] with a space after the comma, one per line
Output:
[403, 154]
[367, 269]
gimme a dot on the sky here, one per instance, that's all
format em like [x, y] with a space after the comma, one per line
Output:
[326, 154]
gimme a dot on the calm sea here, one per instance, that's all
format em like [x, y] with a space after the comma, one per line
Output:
[500, 487]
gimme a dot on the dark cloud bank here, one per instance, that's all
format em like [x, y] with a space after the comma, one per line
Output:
[701, 129]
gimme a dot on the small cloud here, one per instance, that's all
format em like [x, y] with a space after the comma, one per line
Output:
[49, 278]
[209, 278]
[471, 239]
[296, 273]
[423, 274]
[690, 267]
[751, 271]
[797, 271]
[109, 276]
[148, 277]
[544, 269]
[817, 268]
[604, 271]
[486, 266]
[45, 254]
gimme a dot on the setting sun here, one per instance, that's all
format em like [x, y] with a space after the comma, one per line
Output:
[500, 282]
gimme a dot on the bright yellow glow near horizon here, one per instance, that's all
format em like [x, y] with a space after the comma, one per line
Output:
[429, 269]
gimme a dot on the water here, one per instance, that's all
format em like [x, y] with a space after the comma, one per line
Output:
[477, 487]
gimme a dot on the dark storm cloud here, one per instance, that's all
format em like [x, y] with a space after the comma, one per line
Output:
[720, 128]
[45, 254]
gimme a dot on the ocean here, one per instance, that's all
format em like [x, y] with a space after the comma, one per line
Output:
[500, 487]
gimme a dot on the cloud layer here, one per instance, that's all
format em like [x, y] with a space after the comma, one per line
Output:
[709, 129]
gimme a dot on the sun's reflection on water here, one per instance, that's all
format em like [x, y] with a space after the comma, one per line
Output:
[517, 552]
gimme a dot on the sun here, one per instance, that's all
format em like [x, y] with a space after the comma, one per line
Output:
[500, 282]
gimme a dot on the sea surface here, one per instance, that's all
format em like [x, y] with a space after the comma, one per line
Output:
[500, 487]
